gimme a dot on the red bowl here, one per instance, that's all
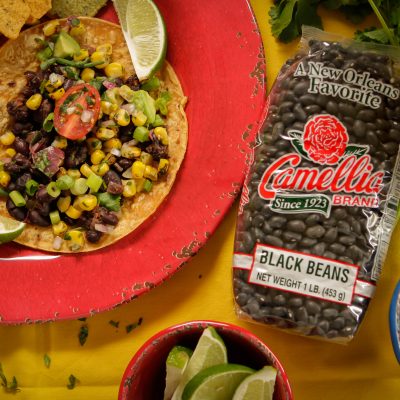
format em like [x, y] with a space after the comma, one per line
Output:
[144, 377]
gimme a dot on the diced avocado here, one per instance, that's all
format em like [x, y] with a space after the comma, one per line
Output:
[65, 46]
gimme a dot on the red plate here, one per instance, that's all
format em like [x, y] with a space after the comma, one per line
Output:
[217, 52]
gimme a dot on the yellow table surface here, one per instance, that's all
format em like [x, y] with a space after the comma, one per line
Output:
[365, 369]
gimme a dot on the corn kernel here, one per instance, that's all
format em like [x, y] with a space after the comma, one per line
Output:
[163, 166]
[82, 55]
[113, 96]
[146, 158]
[85, 170]
[110, 159]
[138, 169]
[112, 144]
[73, 212]
[97, 157]
[57, 94]
[63, 203]
[129, 151]
[74, 173]
[100, 169]
[162, 135]
[86, 202]
[87, 74]
[62, 171]
[114, 70]
[126, 93]
[140, 184]
[129, 188]
[108, 107]
[105, 133]
[77, 31]
[11, 152]
[50, 28]
[150, 173]
[93, 144]
[33, 103]
[60, 228]
[75, 239]
[139, 118]
[100, 56]
[122, 117]
[4, 178]
[7, 138]
[105, 48]
[60, 142]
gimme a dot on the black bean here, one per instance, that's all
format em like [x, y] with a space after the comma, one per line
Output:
[315, 232]
[366, 115]
[273, 241]
[21, 146]
[19, 213]
[35, 218]
[113, 182]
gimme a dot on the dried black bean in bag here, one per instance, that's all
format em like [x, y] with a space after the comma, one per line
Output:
[320, 199]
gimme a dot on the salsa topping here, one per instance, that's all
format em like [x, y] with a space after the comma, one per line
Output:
[83, 138]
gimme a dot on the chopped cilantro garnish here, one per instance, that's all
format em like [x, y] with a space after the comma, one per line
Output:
[82, 319]
[89, 100]
[115, 324]
[73, 380]
[131, 327]
[83, 334]
[9, 387]
[75, 21]
[110, 201]
[47, 361]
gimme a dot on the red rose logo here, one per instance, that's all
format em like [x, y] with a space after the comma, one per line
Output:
[325, 139]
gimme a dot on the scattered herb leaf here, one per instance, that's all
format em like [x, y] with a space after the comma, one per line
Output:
[82, 319]
[83, 334]
[47, 360]
[73, 380]
[115, 324]
[9, 387]
[131, 327]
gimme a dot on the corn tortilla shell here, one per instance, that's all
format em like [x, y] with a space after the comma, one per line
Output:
[20, 56]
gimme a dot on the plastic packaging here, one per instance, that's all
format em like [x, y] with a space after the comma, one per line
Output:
[320, 200]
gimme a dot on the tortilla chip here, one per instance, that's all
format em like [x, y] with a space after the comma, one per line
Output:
[87, 8]
[38, 7]
[13, 15]
[20, 56]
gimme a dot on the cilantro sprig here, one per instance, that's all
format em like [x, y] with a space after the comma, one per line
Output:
[288, 16]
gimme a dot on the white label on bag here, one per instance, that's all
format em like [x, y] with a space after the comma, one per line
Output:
[304, 274]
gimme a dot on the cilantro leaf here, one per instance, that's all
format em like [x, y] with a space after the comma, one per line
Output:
[47, 360]
[83, 334]
[9, 387]
[73, 380]
[110, 201]
[131, 327]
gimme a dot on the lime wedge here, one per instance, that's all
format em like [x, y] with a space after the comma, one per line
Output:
[10, 229]
[257, 386]
[216, 383]
[210, 351]
[145, 34]
[177, 361]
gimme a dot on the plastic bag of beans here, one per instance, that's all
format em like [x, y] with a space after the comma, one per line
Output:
[320, 200]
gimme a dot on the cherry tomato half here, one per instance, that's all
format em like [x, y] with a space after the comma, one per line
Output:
[77, 111]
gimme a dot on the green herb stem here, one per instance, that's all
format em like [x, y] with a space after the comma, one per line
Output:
[393, 40]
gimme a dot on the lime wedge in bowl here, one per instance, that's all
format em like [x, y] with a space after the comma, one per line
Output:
[210, 351]
[177, 361]
[259, 385]
[10, 229]
[145, 35]
[216, 383]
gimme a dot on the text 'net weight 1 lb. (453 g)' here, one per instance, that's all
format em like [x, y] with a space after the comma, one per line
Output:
[320, 200]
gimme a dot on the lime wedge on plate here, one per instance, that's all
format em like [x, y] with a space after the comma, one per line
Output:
[145, 34]
[10, 229]
[258, 386]
[216, 383]
[210, 351]
[177, 361]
